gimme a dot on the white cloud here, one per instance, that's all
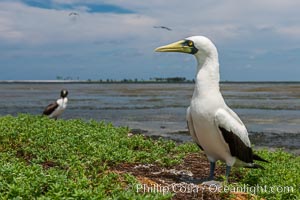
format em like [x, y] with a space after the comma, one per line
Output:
[290, 31]
[21, 23]
[244, 26]
[223, 21]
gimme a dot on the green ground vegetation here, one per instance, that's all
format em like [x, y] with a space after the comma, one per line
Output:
[42, 158]
[279, 180]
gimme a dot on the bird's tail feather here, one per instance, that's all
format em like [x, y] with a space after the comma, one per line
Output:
[256, 157]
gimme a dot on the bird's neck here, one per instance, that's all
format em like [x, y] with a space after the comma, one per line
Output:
[65, 100]
[208, 76]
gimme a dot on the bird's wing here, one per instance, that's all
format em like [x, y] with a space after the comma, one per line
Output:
[50, 108]
[235, 134]
[167, 28]
[163, 27]
[190, 126]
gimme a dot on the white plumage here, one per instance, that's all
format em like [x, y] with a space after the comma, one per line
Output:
[212, 124]
[62, 105]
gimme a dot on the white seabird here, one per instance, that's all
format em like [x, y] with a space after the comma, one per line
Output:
[215, 128]
[54, 110]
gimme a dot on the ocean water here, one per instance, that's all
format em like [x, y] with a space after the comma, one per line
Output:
[270, 111]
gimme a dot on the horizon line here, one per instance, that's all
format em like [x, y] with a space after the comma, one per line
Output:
[138, 81]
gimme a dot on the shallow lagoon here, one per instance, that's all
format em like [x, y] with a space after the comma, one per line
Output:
[270, 111]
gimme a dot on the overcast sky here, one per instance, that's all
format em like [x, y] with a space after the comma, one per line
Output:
[257, 40]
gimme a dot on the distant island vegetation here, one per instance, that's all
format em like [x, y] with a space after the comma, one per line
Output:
[176, 79]
[135, 80]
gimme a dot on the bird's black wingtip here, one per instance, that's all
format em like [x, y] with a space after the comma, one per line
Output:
[258, 158]
[257, 166]
[200, 146]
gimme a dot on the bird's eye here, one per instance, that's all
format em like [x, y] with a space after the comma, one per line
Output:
[190, 43]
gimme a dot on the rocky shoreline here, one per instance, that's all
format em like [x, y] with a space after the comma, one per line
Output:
[289, 142]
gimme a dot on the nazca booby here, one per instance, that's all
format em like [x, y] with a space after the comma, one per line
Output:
[216, 129]
[54, 110]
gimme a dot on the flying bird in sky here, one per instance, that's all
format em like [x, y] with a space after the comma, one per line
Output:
[163, 27]
[73, 14]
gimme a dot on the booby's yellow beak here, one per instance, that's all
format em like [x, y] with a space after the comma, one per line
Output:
[182, 46]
